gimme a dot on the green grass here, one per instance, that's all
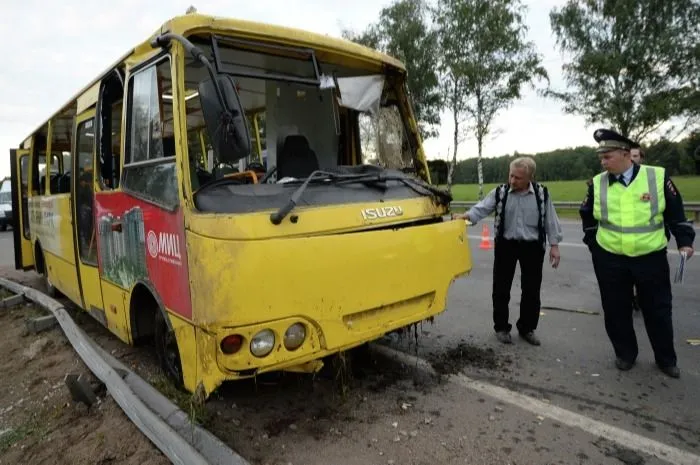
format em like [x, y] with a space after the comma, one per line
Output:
[575, 191]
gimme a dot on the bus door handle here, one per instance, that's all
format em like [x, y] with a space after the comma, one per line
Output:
[117, 227]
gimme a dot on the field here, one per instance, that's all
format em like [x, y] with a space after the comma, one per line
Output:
[575, 191]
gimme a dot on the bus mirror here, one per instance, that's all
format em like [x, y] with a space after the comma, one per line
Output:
[224, 118]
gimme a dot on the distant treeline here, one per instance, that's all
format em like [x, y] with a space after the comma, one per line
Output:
[679, 158]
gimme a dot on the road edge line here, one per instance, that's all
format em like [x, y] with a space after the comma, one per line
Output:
[618, 435]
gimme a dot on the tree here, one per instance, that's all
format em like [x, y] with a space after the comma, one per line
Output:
[486, 60]
[634, 64]
[403, 32]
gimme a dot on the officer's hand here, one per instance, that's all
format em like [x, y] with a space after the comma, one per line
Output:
[688, 251]
[459, 216]
[554, 256]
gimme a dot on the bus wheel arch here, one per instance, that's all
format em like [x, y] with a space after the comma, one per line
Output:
[40, 266]
[149, 322]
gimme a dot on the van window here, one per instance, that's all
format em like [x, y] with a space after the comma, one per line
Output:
[6, 192]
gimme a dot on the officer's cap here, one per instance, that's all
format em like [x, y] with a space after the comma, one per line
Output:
[610, 140]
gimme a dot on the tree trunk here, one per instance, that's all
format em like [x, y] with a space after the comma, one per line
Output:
[480, 169]
[480, 142]
[455, 115]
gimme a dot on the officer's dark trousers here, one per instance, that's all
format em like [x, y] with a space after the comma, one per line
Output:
[530, 254]
[650, 274]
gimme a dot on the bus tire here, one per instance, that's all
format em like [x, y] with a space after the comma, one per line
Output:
[167, 351]
[51, 290]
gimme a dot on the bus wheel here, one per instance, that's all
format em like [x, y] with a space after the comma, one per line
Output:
[167, 351]
[51, 290]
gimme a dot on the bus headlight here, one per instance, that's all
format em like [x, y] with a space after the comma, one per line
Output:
[294, 336]
[262, 343]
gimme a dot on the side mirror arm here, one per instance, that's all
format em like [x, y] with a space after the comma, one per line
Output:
[163, 41]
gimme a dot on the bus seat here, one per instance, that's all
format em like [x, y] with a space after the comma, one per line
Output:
[54, 184]
[296, 159]
[169, 146]
[64, 183]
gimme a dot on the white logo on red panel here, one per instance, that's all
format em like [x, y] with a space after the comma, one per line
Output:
[165, 247]
[152, 244]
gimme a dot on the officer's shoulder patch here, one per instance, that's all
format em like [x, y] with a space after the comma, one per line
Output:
[671, 187]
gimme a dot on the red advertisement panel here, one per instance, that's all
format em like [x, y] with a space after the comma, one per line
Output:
[138, 240]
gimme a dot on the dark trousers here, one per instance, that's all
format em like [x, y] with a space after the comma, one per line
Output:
[530, 254]
[650, 274]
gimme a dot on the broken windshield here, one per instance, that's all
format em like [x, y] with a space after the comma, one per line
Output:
[303, 115]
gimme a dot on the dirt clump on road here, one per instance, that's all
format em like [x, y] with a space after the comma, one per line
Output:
[453, 360]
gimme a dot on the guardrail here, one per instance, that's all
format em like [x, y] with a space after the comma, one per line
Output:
[692, 207]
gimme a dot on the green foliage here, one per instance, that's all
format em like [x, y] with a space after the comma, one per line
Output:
[634, 64]
[679, 158]
[486, 60]
[402, 31]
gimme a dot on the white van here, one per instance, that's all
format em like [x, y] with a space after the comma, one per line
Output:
[5, 204]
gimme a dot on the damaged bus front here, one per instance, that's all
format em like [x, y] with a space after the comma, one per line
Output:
[311, 226]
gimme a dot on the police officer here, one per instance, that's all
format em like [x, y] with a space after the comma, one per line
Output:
[623, 218]
[637, 155]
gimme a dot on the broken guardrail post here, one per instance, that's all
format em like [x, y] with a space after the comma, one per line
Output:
[43, 323]
[12, 301]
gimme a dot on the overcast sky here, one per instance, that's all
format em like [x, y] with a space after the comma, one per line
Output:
[53, 49]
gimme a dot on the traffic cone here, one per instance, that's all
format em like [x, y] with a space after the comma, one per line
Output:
[485, 238]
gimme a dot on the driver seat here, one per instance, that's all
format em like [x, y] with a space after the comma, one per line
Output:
[296, 159]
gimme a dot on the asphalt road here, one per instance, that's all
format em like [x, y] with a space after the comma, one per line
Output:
[7, 248]
[485, 419]
[574, 366]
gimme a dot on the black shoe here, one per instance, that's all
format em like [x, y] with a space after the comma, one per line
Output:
[504, 337]
[671, 371]
[623, 365]
[531, 338]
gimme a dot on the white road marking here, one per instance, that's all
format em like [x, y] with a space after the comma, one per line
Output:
[597, 428]
[562, 244]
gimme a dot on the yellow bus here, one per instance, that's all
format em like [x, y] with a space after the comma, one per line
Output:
[247, 197]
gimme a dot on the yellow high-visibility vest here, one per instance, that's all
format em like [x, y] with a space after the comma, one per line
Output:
[630, 219]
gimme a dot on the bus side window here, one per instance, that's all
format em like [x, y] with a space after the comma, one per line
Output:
[110, 130]
[84, 192]
[61, 138]
[149, 164]
[38, 162]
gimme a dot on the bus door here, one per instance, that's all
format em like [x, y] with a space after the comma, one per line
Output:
[19, 174]
[83, 161]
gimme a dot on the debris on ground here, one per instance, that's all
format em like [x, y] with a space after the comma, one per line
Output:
[453, 360]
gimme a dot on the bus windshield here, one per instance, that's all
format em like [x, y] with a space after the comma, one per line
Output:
[303, 115]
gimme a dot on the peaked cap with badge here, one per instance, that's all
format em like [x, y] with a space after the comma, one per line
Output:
[609, 140]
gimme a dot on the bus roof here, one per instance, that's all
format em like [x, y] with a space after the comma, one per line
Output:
[196, 23]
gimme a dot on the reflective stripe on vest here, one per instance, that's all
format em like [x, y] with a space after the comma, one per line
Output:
[630, 219]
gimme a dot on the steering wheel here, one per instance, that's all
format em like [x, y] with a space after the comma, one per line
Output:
[272, 171]
[252, 174]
